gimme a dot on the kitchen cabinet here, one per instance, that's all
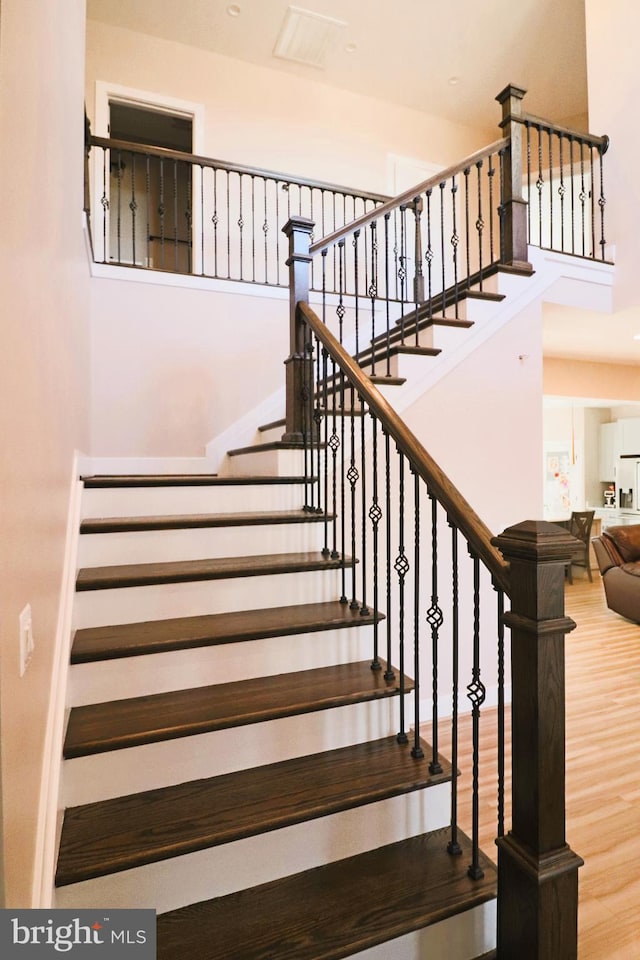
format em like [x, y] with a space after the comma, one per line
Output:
[629, 435]
[610, 450]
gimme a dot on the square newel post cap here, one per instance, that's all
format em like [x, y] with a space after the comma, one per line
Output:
[535, 540]
[300, 224]
[511, 99]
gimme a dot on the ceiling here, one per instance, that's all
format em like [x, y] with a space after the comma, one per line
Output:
[444, 58]
[404, 51]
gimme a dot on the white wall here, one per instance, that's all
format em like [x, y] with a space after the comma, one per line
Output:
[44, 375]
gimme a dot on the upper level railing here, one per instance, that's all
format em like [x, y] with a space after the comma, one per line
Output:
[160, 209]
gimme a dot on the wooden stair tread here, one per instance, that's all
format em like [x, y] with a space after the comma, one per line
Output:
[193, 521]
[183, 633]
[118, 834]
[96, 728]
[217, 568]
[182, 480]
[332, 911]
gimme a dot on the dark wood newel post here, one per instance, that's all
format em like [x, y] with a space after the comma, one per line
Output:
[514, 206]
[298, 231]
[537, 870]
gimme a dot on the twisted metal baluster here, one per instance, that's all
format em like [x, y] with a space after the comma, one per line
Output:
[401, 566]
[389, 672]
[476, 693]
[435, 620]
[133, 206]
[593, 212]
[455, 240]
[561, 190]
[501, 713]
[416, 751]
[480, 223]
[466, 173]
[540, 184]
[353, 477]
[418, 280]
[375, 515]
[601, 203]
[373, 290]
[429, 255]
[453, 846]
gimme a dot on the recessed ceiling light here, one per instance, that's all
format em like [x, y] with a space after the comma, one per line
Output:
[351, 48]
[454, 81]
[636, 336]
[234, 10]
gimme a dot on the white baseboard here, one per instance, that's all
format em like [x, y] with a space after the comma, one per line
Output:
[49, 815]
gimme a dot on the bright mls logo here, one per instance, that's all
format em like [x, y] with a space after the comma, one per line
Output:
[81, 934]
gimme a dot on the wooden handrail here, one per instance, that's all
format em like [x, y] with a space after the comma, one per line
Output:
[528, 119]
[458, 510]
[164, 153]
[407, 197]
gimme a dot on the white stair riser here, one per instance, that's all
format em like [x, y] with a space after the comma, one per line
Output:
[202, 666]
[174, 883]
[264, 463]
[156, 546]
[162, 501]
[120, 772]
[464, 937]
[272, 435]
[97, 608]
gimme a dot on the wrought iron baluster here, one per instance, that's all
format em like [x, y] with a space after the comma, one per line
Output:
[480, 224]
[353, 477]
[601, 203]
[161, 212]
[188, 217]
[343, 496]
[104, 202]
[241, 225]
[175, 215]
[119, 207]
[340, 309]
[387, 296]
[364, 609]
[455, 240]
[253, 227]
[491, 174]
[375, 516]
[527, 126]
[215, 220]
[429, 255]
[147, 179]
[418, 278]
[416, 751]
[476, 694]
[307, 420]
[316, 435]
[561, 189]
[583, 199]
[133, 207]
[593, 209]
[442, 248]
[265, 228]
[402, 268]
[501, 209]
[501, 714]
[373, 290]
[202, 263]
[453, 846]
[324, 387]
[467, 226]
[356, 270]
[435, 620]
[550, 140]
[572, 181]
[389, 672]
[401, 567]
[540, 184]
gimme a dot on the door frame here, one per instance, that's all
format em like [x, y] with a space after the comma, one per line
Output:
[105, 94]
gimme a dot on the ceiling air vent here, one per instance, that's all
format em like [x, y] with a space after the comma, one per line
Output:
[305, 37]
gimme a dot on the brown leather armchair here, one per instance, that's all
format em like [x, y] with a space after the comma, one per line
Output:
[617, 551]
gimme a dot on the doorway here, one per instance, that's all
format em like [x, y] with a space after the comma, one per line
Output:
[151, 221]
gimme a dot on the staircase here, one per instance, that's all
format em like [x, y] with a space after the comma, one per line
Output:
[231, 758]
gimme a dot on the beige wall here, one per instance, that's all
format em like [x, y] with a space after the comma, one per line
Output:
[599, 381]
[263, 118]
[43, 376]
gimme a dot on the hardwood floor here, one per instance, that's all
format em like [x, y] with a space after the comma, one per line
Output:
[603, 774]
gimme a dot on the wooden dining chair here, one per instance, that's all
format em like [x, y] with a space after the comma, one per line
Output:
[580, 527]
